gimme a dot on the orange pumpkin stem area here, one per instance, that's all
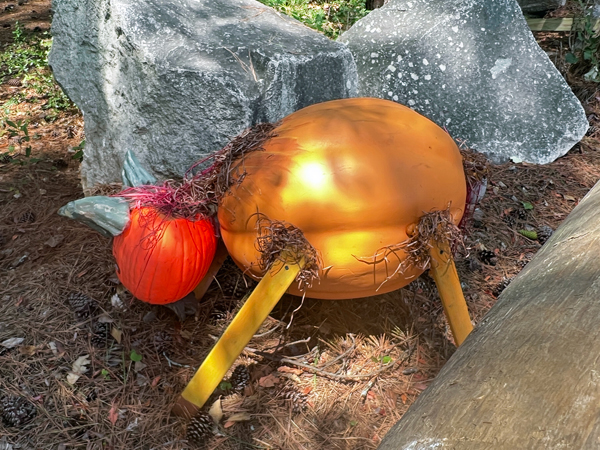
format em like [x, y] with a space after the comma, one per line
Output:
[162, 259]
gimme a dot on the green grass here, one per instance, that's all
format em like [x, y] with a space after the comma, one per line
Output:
[27, 58]
[330, 18]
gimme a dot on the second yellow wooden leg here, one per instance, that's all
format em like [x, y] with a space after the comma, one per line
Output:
[237, 335]
[444, 273]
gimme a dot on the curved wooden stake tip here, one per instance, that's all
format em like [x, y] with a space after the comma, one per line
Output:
[237, 335]
[183, 408]
[444, 273]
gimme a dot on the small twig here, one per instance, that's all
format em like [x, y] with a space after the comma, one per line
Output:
[336, 359]
[266, 333]
[295, 311]
[279, 347]
[174, 363]
[367, 388]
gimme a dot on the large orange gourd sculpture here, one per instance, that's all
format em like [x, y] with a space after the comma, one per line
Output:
[355, 176]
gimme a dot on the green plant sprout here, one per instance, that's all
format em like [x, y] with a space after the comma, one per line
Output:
[331, 18]
[27, 58]
[584, 43]
[14, 130]
[79, 151]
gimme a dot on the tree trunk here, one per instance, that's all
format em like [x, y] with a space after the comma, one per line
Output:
[528, 377]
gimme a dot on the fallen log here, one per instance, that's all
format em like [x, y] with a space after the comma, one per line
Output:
[528, 376]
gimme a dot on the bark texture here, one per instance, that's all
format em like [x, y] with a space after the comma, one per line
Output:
[529, 375]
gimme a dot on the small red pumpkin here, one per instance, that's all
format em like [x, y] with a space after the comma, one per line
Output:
[160, 259]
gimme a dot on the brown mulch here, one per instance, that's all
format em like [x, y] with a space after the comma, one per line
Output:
[355, 366]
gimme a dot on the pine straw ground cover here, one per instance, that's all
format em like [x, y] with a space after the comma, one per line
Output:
[326, 375]
[353, 366]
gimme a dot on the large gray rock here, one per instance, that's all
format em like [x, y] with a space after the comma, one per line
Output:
[472, 67]
[174, 80]
[533, 6]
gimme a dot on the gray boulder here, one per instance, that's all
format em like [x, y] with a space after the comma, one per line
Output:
[533, 6]
[174, 81]
[474, 68]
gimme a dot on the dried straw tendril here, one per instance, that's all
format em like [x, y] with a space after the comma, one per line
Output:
[282, 241]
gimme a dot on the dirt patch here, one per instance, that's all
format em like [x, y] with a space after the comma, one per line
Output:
[32, 15]
[337, 376]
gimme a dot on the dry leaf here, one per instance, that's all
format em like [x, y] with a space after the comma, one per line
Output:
[186, 334]
[105, 318]
[155, 381]
[215, 411]
[286, 369]
[292, 376]
[116, 302]
[404, 398]
[139, 366]
[307, 390]
[53, 347]
[113, 414]
[72, 378]
[239, 417]
[78, 369]
[420, 386]
[133, 425]
[12, 342]
[28, 350]
[268, 381]
[54, 240]
[79, 366]
[228, 424]
[141, 380]
[569, 198]
[117, 334]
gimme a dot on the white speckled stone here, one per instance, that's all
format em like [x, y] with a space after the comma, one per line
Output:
[175, 79]
[474, 68]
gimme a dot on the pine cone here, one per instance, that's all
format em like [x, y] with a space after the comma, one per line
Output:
[100, 334]
[295, 399]
[240, 378]
[232, 282]
[526, 258]
[488, 257]
[520, 214]
[82, 305]
[60, 163]
[544, 232]
[14, 82]
[501, 286]
[162, 341]
[16, 411]
[200, 428]
[509, 219]
[26, 217]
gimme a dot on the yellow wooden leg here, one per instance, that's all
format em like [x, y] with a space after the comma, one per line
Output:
[444, 273]
[237, 335]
